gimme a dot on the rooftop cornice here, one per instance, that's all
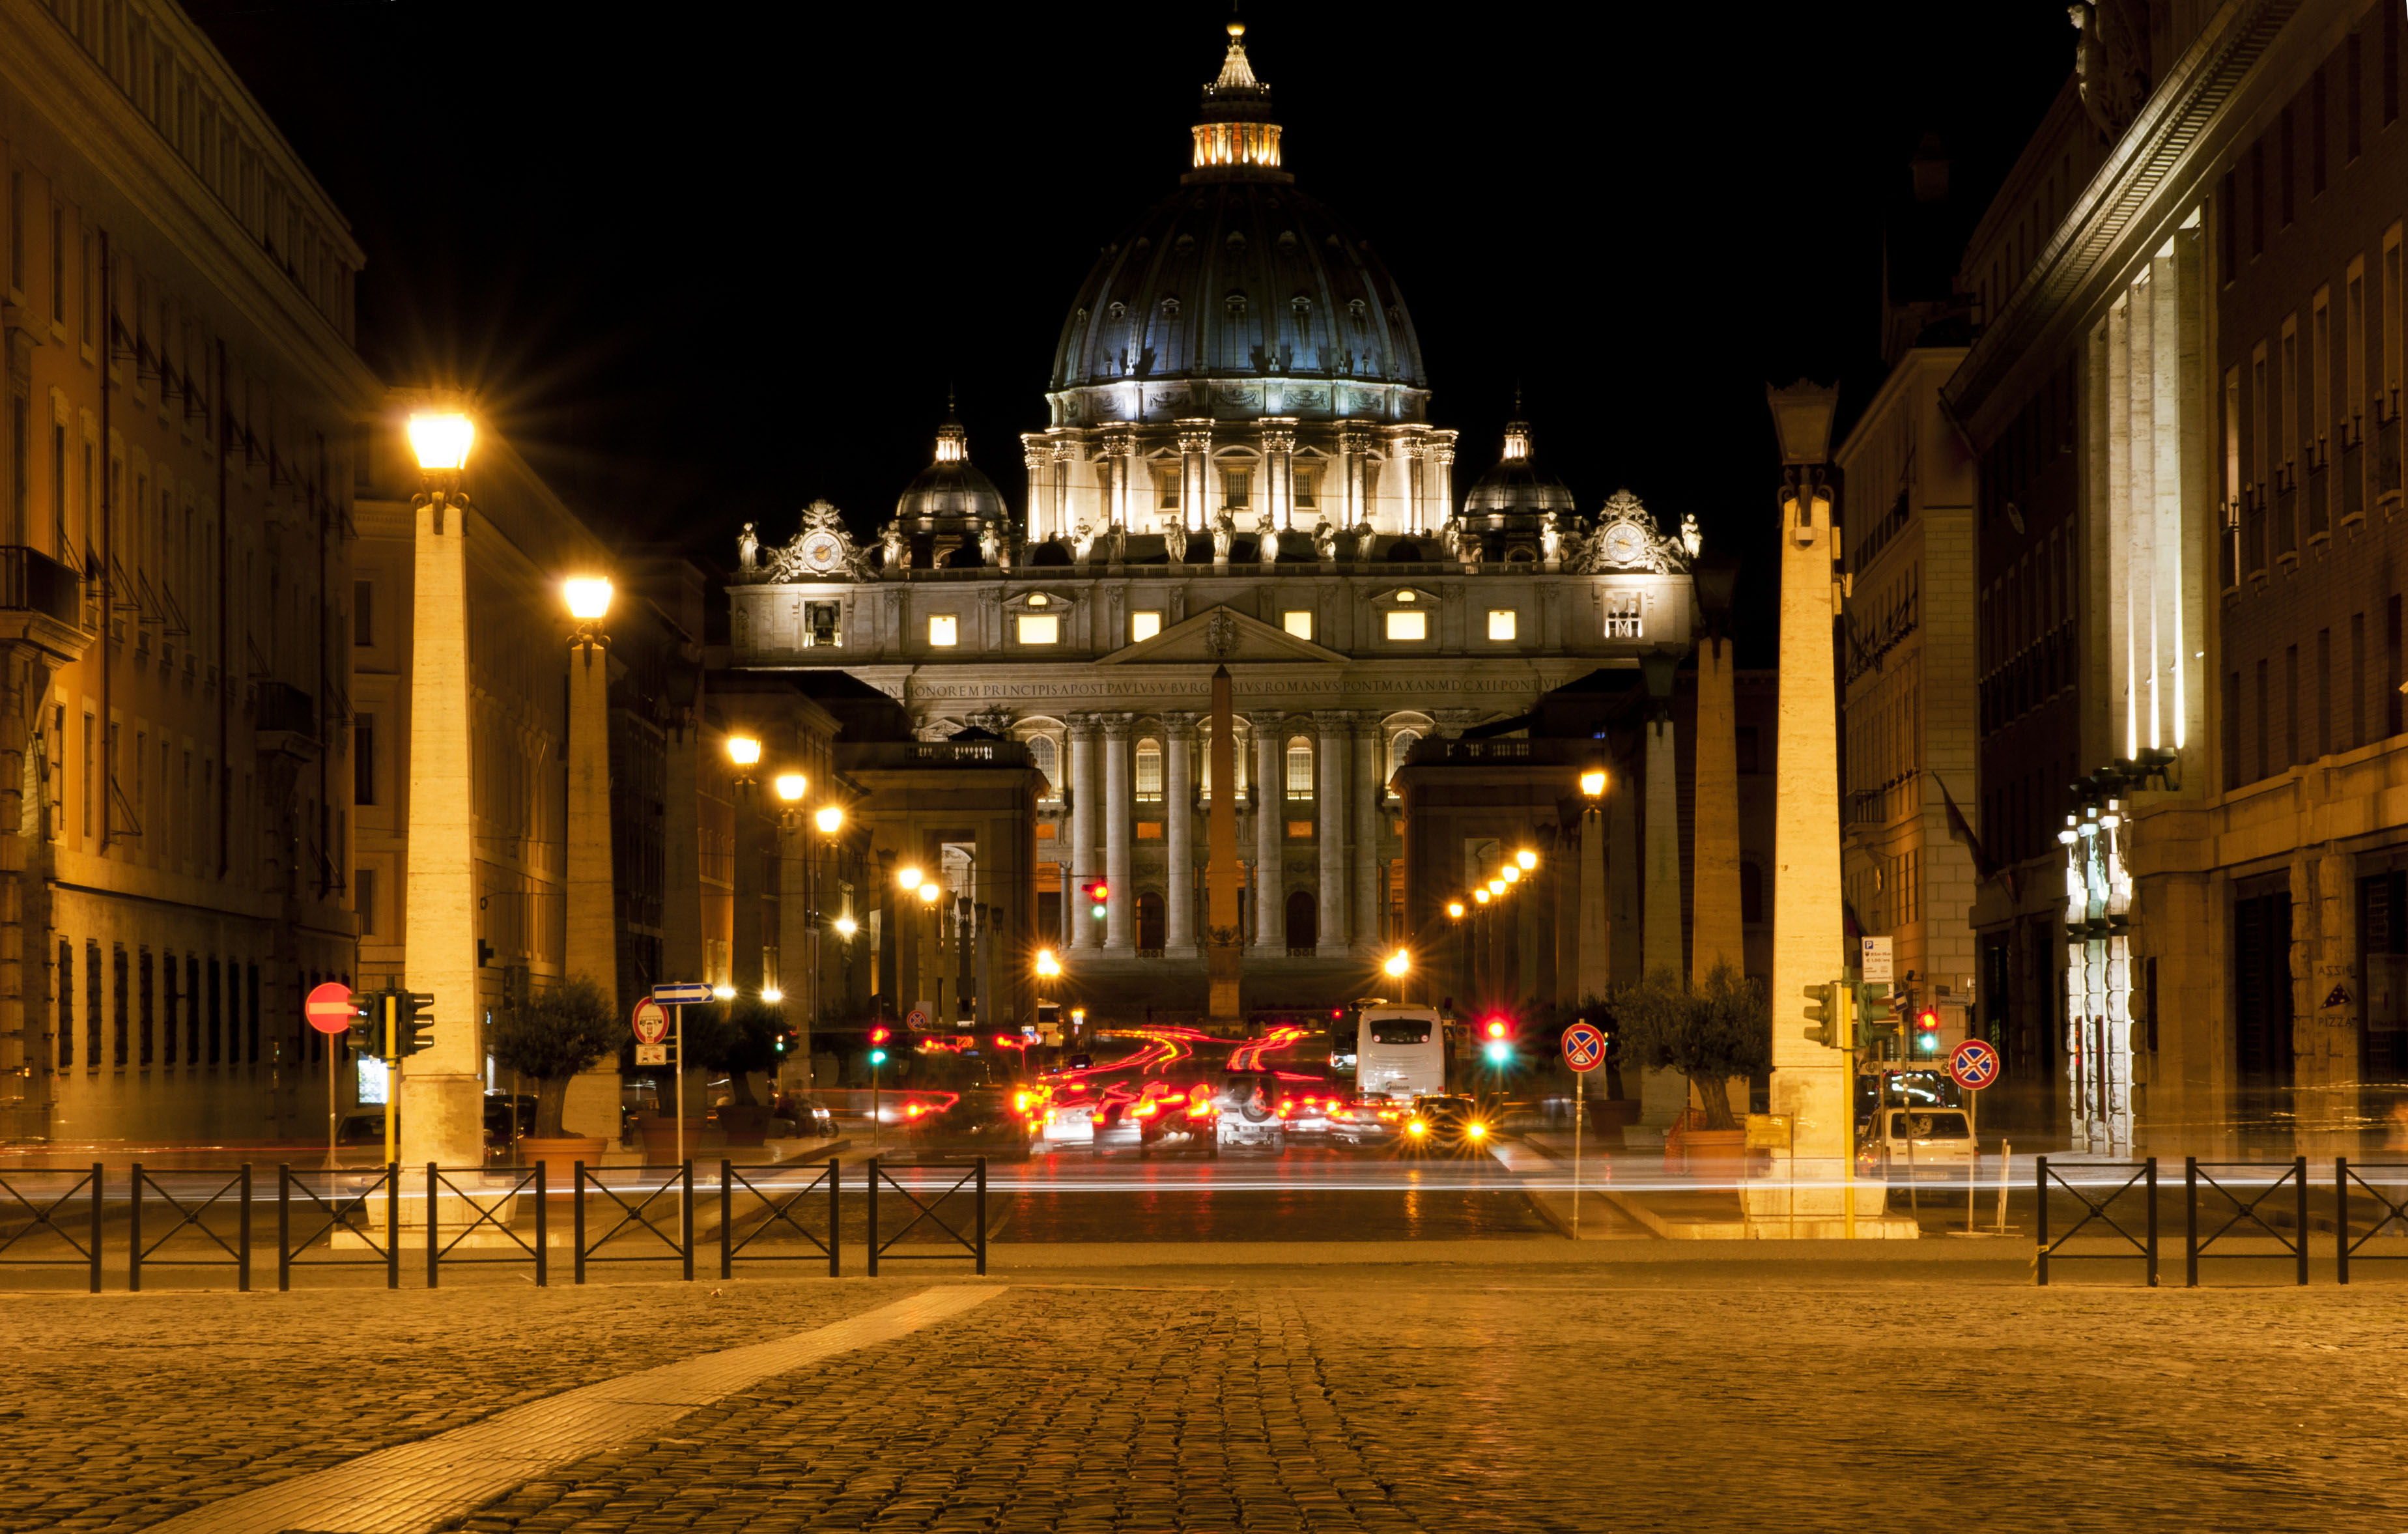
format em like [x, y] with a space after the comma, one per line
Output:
[2137, 197]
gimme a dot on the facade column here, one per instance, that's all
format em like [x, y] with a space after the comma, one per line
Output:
[1592, 939]
[1440, 503]
[591, 946]
[1120, 829]
[1622, 865]
[798, 972]
[1354, 454]
[1135, 491]
[1714, 823]
[1271, 832]
[1414, 450]
[1057, 505]
[1037, 457]
[1195, 473]
[681, 850]
[1660, 912]
[1279, 470]
[1179, 833]
[39, 645]
[1371, 903]
[1329, 793]
[442, 1092]
[1085, 808]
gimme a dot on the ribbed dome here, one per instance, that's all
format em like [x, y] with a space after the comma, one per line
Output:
[1239, 279]
[952, 485]
[1518, 483]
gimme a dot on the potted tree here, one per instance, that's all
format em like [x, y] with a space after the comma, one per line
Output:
[744, 1039]
[558, 1032]
[1709, 1033]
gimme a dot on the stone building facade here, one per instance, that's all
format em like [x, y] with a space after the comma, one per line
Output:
[181, 387]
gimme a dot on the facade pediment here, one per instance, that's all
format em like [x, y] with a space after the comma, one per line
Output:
[1220, 636]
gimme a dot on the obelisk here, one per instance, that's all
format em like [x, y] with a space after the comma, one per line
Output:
[1220, 875]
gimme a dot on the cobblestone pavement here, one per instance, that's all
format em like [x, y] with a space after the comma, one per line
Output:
[1806, 1396]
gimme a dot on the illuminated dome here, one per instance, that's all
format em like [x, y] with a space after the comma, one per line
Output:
[950, 485]
[1518, 485]
[1239, 296]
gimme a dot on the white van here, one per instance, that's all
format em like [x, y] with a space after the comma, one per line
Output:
[1920, 1144]
[1399, 1051]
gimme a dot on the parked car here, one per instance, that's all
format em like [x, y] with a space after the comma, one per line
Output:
[1919, 1144]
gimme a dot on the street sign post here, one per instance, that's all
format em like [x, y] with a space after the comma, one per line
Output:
[676, 994]
[1876, 963]
[1974, 1064]
[1583, 1052]
[652, 1054]
[916, 1019]
[652, 1021]
[328, 1010]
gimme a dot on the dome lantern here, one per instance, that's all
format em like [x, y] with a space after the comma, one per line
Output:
[1238, 136]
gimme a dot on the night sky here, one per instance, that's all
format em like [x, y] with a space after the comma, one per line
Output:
[708, 267]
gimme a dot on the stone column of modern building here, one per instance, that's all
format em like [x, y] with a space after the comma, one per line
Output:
[1369, 792]
[591, 948]
[1179, 833]
[1271, 828]
[1663, 1093]
[1084, 864]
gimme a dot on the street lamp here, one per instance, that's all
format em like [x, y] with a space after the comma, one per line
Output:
[1526, 858]
[1480, 895]
[1511, 874]
[909, 878]
[1454, 911]
[830, 819]
[744, 750]
[1048, 967]
[441, 440]
[589, 603]
[1593, 783]
[1398, 963]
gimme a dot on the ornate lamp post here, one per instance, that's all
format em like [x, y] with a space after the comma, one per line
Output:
[592, 897]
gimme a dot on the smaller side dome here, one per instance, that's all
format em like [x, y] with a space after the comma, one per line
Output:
[950, 485]
[1517, 485]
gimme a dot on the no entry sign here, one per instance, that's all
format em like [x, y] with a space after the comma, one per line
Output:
[1583, 1047]
[651, 1022]
[1974, 1064]
[328, 1008]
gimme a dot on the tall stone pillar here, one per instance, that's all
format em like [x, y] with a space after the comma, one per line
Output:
[1120, 830]
[1623, 862]
[1329, 793]
[799, 975]
[1354, 460]
[1810, 1083]
[1195, 473]
[1370, 901]
[1439, 504]
[442, 1093]
[1593, 938]
[1136, 488]
[1660, 908]
[681, 850]
[1270, 832]
[1179, 833]
[1713, 823]
[1279, 470]
[591, 948]
[33, 645]
[1037, 457]
[1085, 806]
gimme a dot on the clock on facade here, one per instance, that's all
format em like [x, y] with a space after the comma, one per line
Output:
[1625, 543]
[822, 552]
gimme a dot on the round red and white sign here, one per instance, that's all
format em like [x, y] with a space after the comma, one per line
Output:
[1974, 1064]
[328, 1008]
[652, 1021]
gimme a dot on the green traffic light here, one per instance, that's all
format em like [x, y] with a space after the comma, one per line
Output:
[878, 1057]
[1500, 1051]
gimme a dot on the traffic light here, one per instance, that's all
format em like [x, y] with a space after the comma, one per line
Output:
[1499, 1047]
[1822, 1012]
[1876, 1015]
[367, 1028]
[1926, 1033]
[1098, 899]
[878, 1037]
[413, 1022]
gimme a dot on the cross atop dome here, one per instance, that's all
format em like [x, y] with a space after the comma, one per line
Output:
[1238, 136]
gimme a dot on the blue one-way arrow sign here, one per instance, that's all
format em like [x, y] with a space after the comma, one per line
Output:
[676, 993]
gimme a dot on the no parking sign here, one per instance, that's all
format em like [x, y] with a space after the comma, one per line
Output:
[1974, 1064]
[1583, 1047]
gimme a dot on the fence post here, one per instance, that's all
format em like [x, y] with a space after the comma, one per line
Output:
[726, 1217]
[2300, 1234]
[982, 1216]
[242, 1239]
[133, 1237]
[685, 1205]
[577, 1221]
[835, 1218]
[2340, 1218]
[542, 1233]
[283, 1227]
[874, 1216]
[434, 1247]
[2190, 1222]
[393, 1224]
[97, 1175]
[2040, 1217]
[2153, 1222]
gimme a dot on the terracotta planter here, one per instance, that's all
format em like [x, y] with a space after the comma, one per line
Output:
[660, 1139]
[1714, 1152]
[559, 1158]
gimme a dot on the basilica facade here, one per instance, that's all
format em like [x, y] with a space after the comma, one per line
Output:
[1237, 470]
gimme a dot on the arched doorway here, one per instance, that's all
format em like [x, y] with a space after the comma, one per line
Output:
[1303, 921]
[1148, 921]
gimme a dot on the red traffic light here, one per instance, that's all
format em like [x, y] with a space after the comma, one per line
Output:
[1495, 1027]
[1926, 1021]
[1099, 891]
[878, 1036]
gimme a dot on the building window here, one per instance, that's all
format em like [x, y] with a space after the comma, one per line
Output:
[1502, 622]
[1298, 622]
[1145, 624]
[1300, 830]
[1307, 484]
[1621, 615]
[944, 629]
[1300, 768]
[364, 894]
[1149, 770]
[1406, 627]
[1047, 756]
[1040, 629]
[1400, 746]
[363, 613]
[364, 782]
[1237, 757]
[1166, 486]
[65, 982]
[1236, 485]
[822, 624]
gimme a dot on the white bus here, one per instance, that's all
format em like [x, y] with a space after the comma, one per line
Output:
[1399, 1051]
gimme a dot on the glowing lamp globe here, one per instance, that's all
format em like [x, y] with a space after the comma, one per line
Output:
[830, 820]
[589, 597]
[441, 440]
[791, 785]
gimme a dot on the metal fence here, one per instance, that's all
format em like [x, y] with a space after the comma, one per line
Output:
[926, 1212]
[337, 1203]
[2101, 1212]
[634, 1222]
[191, 1197]
[2346, 1246]
[2242, 1205]
[779, 1196]
[487, 1205]
[49, 1219]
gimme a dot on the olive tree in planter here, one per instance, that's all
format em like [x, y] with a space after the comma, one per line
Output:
[1709, 1033]
[740, 1038]
[556, 1034]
